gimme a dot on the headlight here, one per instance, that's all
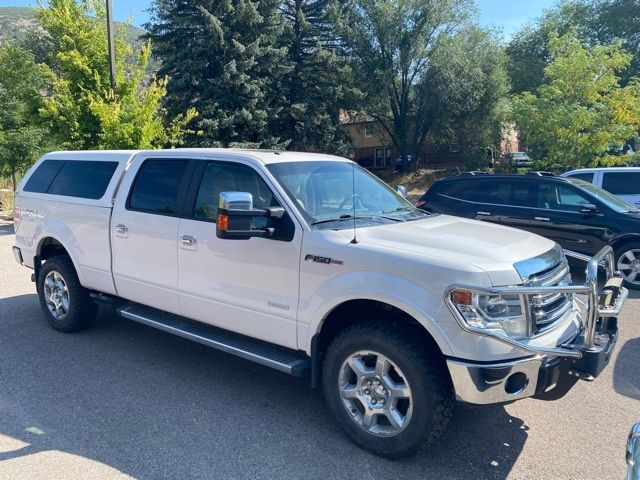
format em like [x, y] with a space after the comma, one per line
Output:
[491, 312]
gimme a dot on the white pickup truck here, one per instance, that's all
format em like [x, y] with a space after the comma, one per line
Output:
[309, 264]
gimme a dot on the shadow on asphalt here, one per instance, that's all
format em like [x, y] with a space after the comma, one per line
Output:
[153, 405]
[626, 372]
[6, 229]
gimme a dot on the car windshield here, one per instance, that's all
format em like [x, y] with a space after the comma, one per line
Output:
[610, 200]
[329, 193]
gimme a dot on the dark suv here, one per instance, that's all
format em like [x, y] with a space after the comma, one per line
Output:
[578, 215]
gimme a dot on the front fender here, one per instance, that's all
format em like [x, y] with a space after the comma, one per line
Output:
[425, 306]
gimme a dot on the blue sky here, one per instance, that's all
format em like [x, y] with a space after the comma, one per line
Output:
[509, 15]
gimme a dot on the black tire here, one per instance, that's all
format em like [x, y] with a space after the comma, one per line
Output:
[81, 309]
[620, 252]
[425, 373]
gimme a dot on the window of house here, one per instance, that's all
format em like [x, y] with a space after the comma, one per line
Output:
[155, 189]
[368, 130]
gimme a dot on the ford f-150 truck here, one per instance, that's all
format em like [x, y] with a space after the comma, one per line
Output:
[311, 265]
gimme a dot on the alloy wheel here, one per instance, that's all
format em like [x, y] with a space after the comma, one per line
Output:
[375, 393]
[56, 295]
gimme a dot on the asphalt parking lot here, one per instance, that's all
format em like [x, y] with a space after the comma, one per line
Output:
[122, 400]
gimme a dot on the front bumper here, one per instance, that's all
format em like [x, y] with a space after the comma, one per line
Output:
[549, 373]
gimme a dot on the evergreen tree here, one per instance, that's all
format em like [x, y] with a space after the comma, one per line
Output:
[317, 84]
[223, 58]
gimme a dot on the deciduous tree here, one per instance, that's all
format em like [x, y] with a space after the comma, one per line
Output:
[22, 85]
[83, 111]
[581, 107]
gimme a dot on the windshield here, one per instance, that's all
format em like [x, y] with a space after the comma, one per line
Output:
[329, 193]
[610, 200]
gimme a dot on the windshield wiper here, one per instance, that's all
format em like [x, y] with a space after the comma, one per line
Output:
[351, 217]
[401, 209]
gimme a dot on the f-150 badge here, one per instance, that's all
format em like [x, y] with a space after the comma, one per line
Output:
[326, 260]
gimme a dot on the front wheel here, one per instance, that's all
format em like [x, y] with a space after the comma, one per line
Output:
[628, 264]
[388, 392]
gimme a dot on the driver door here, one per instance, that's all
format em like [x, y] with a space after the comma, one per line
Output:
[247, 286]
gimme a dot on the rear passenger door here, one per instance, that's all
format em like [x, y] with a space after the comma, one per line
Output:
[505, 201]
[144, 231]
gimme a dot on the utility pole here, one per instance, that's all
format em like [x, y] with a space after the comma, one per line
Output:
[112, 54]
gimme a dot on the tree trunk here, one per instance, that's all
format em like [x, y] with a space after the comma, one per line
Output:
[13, 180]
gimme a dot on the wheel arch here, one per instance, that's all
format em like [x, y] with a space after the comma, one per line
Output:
[625, 239]
[362, 310]
[50, 246]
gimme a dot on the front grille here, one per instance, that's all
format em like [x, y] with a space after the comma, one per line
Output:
[550, 309]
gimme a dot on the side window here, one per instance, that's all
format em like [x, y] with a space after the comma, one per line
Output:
[459, 190]
[83, 179]
[229, 177]
[555, 197]
[587, 177]
[155, 189]
[43, 176]
[622, 183]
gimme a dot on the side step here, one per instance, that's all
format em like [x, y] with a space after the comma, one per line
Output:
[284, 360]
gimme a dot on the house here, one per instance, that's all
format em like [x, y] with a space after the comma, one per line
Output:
[373, 149]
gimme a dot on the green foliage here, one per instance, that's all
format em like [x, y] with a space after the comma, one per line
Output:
[465, 94]
[83, 112]
[595, 21]
[423, 68]
[223, 59]
[22, 137]
[318, 82]
[581, 108]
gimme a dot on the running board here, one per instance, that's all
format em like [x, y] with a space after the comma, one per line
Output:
[284, 360]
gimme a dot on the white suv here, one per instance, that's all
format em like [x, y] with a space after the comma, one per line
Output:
[623, 182]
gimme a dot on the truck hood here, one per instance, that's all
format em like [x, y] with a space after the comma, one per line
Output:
[489, 247]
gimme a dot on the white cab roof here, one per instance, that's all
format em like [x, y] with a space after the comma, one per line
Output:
[263, 156]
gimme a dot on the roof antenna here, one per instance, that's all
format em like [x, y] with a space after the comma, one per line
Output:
[353, 200]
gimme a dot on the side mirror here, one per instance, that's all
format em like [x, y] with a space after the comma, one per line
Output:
[588, 209]
[402, 190]
[633, 452]
[235, 212]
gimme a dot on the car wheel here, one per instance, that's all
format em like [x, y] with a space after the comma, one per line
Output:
[389, 394]
[628, 264]
[65, 303]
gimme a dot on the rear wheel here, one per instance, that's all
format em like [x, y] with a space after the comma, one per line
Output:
[65, 303]
[389, 394]
[628, 264]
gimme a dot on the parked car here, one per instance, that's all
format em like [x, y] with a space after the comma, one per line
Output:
[309, 264]
[578, 215]
[518, 159]
[623, 182]
[633, 453]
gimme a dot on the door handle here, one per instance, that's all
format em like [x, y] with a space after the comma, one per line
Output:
[188, 240]
[121, 230]
[484, 214]
[542, 219]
